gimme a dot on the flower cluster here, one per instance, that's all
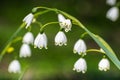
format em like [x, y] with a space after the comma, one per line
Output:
[81, 65]
[41, 41]
[113, 13]
[25, 51]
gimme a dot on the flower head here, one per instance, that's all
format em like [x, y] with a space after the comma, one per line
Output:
[14, 67]
[61, 18]
[111, 2]
[28, 19]
[28, 38]
[113, 13]
[41, 41]
[64, 23]
[104, 65]
[80, 47]
[25, 51]
[80, 65]
[60, 39]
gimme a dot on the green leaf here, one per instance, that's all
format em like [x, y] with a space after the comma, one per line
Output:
[104, 45]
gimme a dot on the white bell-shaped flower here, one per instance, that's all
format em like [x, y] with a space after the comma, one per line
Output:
[14, 67]
[104, 65]
[25, 51]
[111, 2]
[113, 13]
[64, 23]
[41, 41]
[80, 47]
[28, 19]
[61, 18]
[80, 65]
[67, 25]
[28, 38]
[60, 39]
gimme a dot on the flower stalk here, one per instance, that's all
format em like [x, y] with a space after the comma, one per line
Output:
[94, 50]
[42, 27]
[10, 41]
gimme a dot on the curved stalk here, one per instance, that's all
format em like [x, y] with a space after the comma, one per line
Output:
[9, 42]
[84, 34]
[41, 29]
[94, 50]
[40, 13]
[38, 23]
[46, 8]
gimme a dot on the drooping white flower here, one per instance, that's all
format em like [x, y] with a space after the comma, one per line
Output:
[41, 41]
[61, 18]
[64, 23]
[28, 19]
[104, 65]
[14, 67]
[60, 39]
[111, 2]
[80, 47]
[28, 38]
[113, 13]
[67, 25]
[80, 65]
[25, 51]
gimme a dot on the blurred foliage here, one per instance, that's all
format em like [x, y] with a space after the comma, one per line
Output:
[56, 63]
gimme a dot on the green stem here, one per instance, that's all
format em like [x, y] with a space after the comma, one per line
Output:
[41, 29]
[22, 74]
[9, 42]
[46, 8]
[17, 39]
[40, 13]
[94, 50]
[85, 33]
[40, 24]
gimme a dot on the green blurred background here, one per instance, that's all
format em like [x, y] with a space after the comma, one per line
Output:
[56, 63]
